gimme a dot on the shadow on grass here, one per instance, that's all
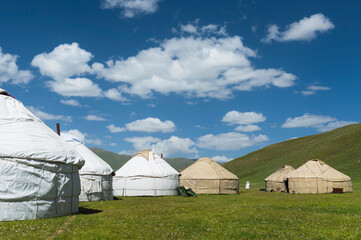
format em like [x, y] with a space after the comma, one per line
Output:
[88, 211]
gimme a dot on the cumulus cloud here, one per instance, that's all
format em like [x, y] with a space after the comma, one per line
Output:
[114, 94]
[94, 118]
[114, 129]
[151, 125]
[245, 120]
[48, 116]
[194, 66]
[71, 102]
[313, 89]
[9, 70]
[230, 141]
[76, 87]
[194, 29]
[221, 159]
[132, 8]
[84, 137]
[64, 61]
[140, 143]
[304, 30]
[319, 122]
[168, 147]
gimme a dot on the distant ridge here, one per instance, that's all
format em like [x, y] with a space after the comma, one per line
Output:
[339, 148]
[116, 161]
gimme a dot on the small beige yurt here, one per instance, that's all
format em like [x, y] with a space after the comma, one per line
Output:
[315, 176]
[205, 176]
[276, 182]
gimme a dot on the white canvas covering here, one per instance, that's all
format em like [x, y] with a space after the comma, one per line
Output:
[315, 176]
[38, 170]
[205, 176]
[146, 174]
[95, 175]
[276, 181]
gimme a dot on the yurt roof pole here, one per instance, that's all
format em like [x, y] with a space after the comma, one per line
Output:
[58, 128]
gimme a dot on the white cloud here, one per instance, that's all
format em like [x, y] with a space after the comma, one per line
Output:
[245, 120]
[195, 29]
[221, 159]
[229, 141]
[174, 145]
[114, 129]
[94, 118]
[194, 66]
[247, 128]
[71, 102]
[114, 94]
[333, 125]
[140, 143]
[84, 137]
[313, 89]
[76, 87]
[168, 147]
[319, 122]
[113, 144]
[151, 105]
[189, 28]
[235, 117]
[151, 125]
[9, 70]
[307, 120]
[47, 116]
[132, 8]
[304, 30]
[64, 61]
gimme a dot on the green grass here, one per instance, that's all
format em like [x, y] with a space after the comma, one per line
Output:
[249, 215]
[340, 148]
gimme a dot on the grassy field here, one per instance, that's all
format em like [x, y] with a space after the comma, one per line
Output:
[250, 215]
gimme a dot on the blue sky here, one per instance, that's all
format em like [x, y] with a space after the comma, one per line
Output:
[185, 78]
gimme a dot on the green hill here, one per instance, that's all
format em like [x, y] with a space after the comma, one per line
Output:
[339, 148]
[116, 161]
[113, 159]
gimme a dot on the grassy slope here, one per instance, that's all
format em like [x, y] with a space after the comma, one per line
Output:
[340, 148]
[116, 161]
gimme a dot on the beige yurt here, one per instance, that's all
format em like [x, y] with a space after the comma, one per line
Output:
[276, 182]
[315, 176]
[208, 177]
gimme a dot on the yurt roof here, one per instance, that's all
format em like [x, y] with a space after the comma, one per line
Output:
[93, 163]
[318, 169]
[25, 136]
[146, 163]
[206, 168]
[280, 174]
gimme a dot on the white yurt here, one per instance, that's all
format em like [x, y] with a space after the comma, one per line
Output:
[95, 176]
[277, 181]
[146, 174]
[39, 171]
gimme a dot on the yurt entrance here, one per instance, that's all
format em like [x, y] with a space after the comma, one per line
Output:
[285, 182]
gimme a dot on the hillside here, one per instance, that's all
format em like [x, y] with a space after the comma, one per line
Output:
[113, 159]
[116, 161]
[339, 148]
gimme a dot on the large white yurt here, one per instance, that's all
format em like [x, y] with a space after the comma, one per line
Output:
[95, 176]
[205, 176]
[315, 176]
[146, 174]
[39, 171]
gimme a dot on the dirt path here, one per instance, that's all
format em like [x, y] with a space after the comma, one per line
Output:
[61, 230]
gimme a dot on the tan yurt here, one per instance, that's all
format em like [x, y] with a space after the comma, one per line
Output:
[205, 176]
[315, 176]
[276, 182]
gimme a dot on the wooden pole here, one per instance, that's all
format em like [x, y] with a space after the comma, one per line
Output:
[161, 155]
[58, 128]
